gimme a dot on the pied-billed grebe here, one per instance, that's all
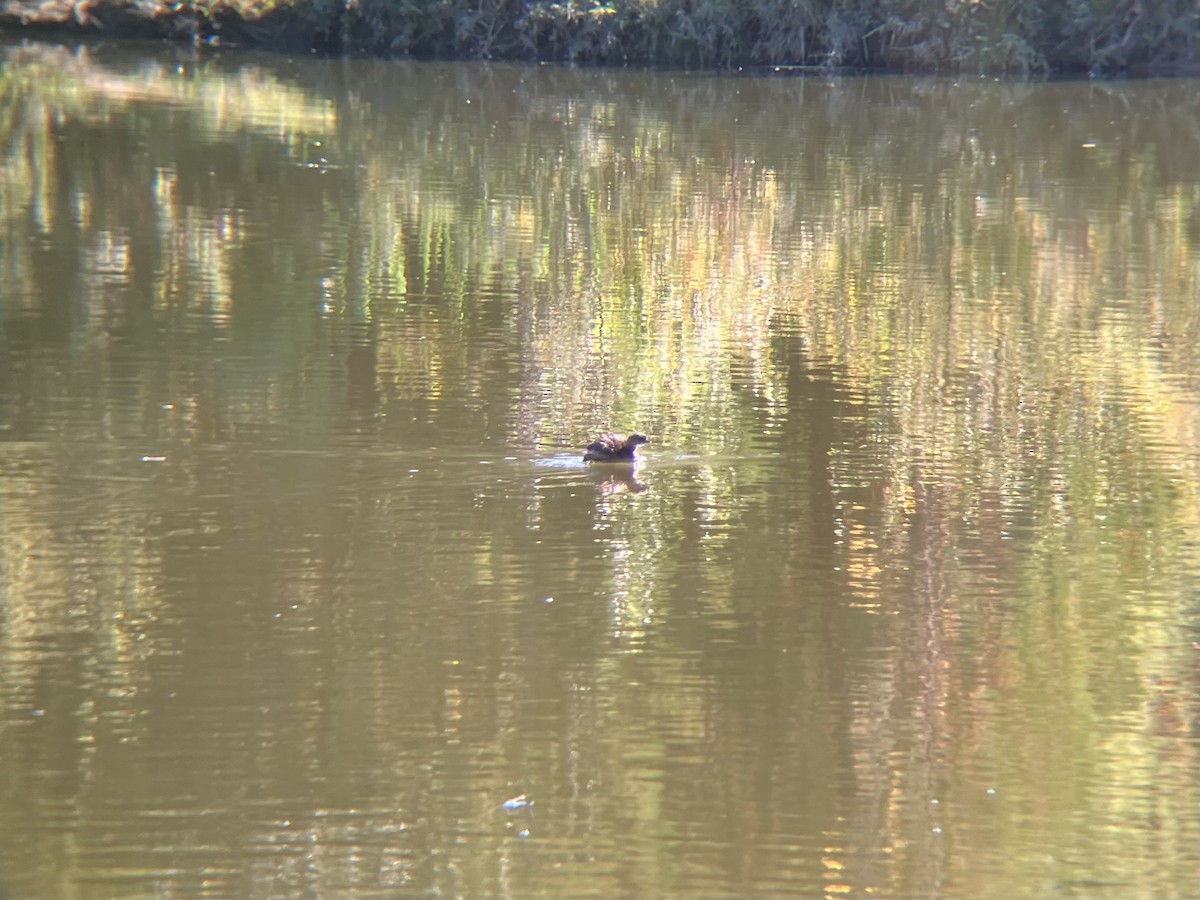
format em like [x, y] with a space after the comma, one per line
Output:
[611, 447]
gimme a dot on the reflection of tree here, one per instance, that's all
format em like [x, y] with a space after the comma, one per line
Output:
[888, 356]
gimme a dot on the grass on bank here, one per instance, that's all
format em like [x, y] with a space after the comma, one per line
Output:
[1097, 36]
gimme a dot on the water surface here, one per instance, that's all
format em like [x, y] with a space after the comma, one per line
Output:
[304, 590]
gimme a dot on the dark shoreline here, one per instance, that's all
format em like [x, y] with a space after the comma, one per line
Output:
[1006, 39]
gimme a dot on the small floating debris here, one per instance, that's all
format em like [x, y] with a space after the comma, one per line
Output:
[518, 802]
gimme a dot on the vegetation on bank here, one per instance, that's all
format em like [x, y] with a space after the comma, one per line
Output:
[1096, 36]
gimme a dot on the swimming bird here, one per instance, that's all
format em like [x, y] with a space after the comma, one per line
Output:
[611, 447]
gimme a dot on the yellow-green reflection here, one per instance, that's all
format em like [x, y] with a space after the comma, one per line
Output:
[303, 582]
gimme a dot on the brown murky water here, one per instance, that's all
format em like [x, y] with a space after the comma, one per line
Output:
[304, 591]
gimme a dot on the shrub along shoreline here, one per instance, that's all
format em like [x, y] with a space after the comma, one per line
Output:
[1099, 37]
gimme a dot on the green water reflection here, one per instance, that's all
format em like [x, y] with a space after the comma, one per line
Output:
[304, 591]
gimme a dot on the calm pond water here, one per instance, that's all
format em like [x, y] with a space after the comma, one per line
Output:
[305, 591]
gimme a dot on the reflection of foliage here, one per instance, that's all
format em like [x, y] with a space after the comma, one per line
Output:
[927, 348]
[643, 288]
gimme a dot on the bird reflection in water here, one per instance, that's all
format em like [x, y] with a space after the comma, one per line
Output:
[617, 479]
